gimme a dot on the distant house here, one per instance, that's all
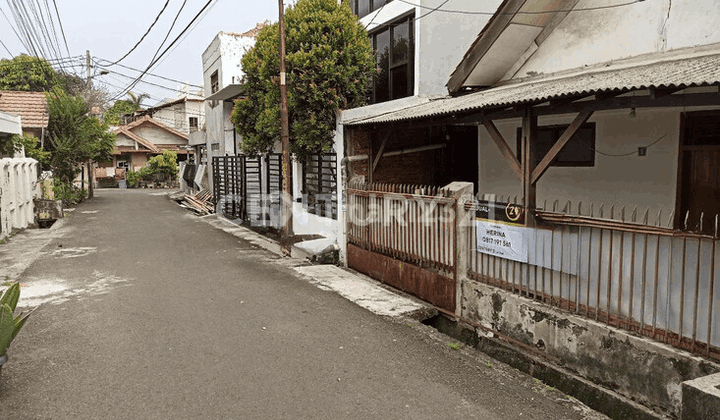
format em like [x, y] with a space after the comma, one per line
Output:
[185, 114]
[32, 109]
[137, 142]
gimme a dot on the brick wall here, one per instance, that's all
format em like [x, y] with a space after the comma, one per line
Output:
[411, 168]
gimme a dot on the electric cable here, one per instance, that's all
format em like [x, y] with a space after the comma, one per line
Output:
[631, 153]
[98, 62]
[168, 48]
[469, 12]
[144, 35]
[169, 30]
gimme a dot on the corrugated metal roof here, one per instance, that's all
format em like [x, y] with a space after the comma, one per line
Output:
[31, 106]
[657, 70]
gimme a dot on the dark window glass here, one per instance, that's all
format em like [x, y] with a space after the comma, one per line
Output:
[363, 7]
[399, 81]
[401, 42]
[214, 82]
[579, 151]
[395, 60]
[382, 80]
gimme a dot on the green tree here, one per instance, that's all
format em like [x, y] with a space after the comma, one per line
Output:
[329, 63]
[17, 142]
[29, 74]
[74, 137]
[119, 108]
[137, 99]
[164, 165]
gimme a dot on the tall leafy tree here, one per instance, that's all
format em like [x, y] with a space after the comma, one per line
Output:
[29, 74]
[119, 108]
[329, 64]
[74, 136]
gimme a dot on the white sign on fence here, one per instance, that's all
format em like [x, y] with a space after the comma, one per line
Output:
[503, 240]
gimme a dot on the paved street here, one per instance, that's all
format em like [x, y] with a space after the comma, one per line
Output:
[149, 312]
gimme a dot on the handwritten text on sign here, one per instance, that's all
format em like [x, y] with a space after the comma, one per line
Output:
[503, 240]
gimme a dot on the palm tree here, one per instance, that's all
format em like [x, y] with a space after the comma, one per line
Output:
[137, 99]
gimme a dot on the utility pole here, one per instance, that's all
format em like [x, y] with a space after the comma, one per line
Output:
[286, 204]
[89, 162]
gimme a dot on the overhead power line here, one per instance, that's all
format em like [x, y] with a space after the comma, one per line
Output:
[144, 35]
[62, 30]
[472, 12]
[169, 30]
[153, 62]
[99, 60]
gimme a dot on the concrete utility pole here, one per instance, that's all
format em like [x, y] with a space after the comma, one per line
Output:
[286, 231]
[89, 163]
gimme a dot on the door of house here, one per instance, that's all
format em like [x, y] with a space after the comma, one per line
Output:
[461, 156]
[699, 177]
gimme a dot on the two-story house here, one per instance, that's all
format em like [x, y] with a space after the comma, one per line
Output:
[222, 76]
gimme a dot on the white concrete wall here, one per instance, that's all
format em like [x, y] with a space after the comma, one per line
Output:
[602, 35]
[18, 182]
[177, 116]
[648, 182]
[441, 39]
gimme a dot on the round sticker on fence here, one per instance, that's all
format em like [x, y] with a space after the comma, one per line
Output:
[513, 212]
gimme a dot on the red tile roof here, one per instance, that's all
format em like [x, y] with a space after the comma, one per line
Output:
[31, 106]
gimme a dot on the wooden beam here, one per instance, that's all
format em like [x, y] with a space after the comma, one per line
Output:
[485, 40]
[504, 148]
[656, 93]
[559, 144]
[382, 148]
[529, 138]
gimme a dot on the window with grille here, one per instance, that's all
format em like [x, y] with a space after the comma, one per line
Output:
[319, 185]
[193, 123]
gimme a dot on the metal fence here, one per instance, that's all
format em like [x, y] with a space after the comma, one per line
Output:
[319, 185]
[248, 188]
[411, 223]
[652, 281]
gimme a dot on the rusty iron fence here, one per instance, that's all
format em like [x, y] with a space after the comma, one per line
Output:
[650, 280]
[411, 223]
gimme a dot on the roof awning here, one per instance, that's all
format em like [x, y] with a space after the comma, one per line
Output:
[687, 68]
[226, 93]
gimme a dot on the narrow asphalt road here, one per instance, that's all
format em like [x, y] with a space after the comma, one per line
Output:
[151, 313]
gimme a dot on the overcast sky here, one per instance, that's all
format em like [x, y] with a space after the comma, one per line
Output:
[109, 29]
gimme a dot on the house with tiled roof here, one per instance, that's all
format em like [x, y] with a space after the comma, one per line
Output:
[137, 142]
[30, 106]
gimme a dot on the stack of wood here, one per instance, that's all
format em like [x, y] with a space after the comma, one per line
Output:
[200, 203]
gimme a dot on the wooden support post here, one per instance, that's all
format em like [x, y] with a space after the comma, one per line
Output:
[559, 144]
[504, 148]
[529, 137]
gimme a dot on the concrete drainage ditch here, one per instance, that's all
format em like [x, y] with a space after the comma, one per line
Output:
[548, 371]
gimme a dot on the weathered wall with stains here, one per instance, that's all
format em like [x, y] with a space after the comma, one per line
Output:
[605, 34]
[638, 368]
[618, 177]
